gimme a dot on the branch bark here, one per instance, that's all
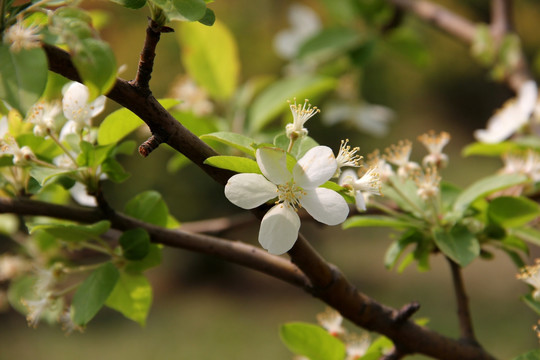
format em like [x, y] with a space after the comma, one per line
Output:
[324, 281]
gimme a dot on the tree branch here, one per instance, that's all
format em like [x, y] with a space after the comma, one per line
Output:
[325, 281]
[464, 29]
[464, 316]
[501, 19]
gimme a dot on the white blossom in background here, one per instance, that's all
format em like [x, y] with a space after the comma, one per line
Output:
[304, 23]
[21, 156]
[19, 36]
[78, 110]
[331, 321]
[301, 114]
[279, 227]
[11, 266]
[357, 346]
[531, 275]
[43, 115]
[193, 98]
[399, 155]
[80, 195]
[428, 183]
[68, 326]
[369, 118]
[434, 145]
[511, 117]
[4, 127]
[375, 161]
[369, 184]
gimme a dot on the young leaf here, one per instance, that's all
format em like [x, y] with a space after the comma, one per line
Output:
[528, 234]
[93, 156]
[234, 163]
[115, 172]
[44, 174]
[530, 355]
[512, 211]
[300, 146]
[131, 4]
[484, 187]
[132, 296]
[273, 100]
[237, 141]
[329, 43]
[135, 244]
[72, 232]
[93, 292]
[311, 341]
[459, 244]
[122, 122]
[148, 206]
[398, 247]
[212, 59]
[376, 221]
[23, 76]
[479, 148]
[152, 259]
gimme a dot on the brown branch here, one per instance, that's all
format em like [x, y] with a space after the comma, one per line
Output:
[501, 19]
[464, 316]
[325, 281]
[464, 29]
[233, 251]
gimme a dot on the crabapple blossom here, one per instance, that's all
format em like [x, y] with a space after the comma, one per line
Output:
[363, 187]
[78, 110]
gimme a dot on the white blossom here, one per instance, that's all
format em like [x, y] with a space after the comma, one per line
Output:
[331, 321]
[192, 97]
[357, 346]
[43, 115]
[347, 157]
[369, 184]
[531, 275]
[21, 37]
[304, 24]
[78, 110]
[428, 183]
[399, 155]
[511, 117]
[21, 156]
[434, 145]
[280, 225]
[301, 114]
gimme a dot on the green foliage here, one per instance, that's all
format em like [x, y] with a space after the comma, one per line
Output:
[377, 221]
[131, 4]
[93, 292]
[273, 100]
[300, 146]
[459, 244]
[234, 163]
[23, 76]
[152, 259]
[237, 141]
[132, 296]
[148, 206]
[512, 211]
[182, 10]
[212, 59]
[122, 122]
[43, 174]
[311, 341]
[531, 355]
[329, 43]
[73, 232]
[484, 187]
[135, 244]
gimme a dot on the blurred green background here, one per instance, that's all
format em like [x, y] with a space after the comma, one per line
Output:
[207, 309]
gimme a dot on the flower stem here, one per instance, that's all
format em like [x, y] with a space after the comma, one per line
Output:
[59, 143]
[408, 200]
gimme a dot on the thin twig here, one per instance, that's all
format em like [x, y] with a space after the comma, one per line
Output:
[464, 316]
[501, 19]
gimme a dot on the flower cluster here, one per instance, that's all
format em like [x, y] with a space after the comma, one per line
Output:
[531, 275]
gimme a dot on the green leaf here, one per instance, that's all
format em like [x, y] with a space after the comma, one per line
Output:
[115, 172]
[234, 163]
[95, 63]
[132, 296]
[407, 42]
[44, 174]
[376, 221]
[210, 57]
[311, 341]
[122, 122]
[44, 148]
[329, 43]
[93, 292]
[459, 244]
[135, 244]
[300, 146]
[237, 141]
[533, 304]
[484, 187]
[152, 259]
[93, 155]
[530, 355]
[449, 194]
[149, 207]
[398, 247]
[339, 189]
[273, 100]
[528, 234]
[209, 18]
[131, 4]
[23, 76]
[512, 211]
[72, 232]
[485, 149]
[406, 188]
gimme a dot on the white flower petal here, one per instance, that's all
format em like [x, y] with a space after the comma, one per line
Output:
[315, 168]
[348, 177]
[325, 205]
[528, 94]
[79, 194]
[273, 165]
[360, 201]
[279, 229]
[249, 190]
[75, 100]
[97, 106]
